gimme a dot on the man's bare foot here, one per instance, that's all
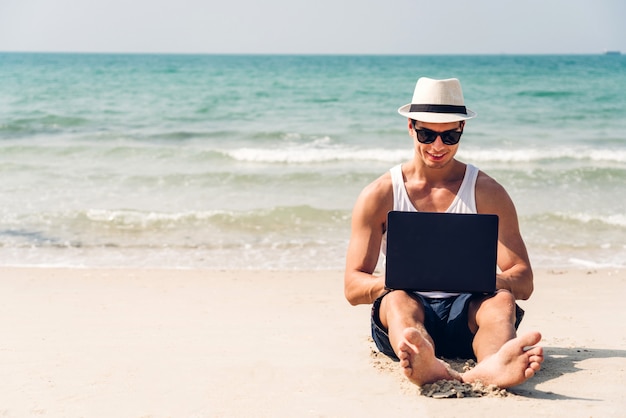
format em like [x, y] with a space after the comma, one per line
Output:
[418, 360]
[511, 365]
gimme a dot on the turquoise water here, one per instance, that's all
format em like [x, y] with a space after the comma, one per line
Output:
[255, 161]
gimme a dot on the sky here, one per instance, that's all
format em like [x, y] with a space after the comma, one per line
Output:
[314, 26]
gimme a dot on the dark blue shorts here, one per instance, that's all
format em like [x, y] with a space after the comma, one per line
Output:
[446, 320]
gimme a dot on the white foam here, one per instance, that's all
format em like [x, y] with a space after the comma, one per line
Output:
[541, 154]
[308, 154]
[593, 264]
[617, 219]
[320, 151]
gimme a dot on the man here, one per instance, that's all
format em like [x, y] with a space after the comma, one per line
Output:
[465, 325]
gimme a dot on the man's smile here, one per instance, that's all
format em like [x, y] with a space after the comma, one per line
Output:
[436, 155]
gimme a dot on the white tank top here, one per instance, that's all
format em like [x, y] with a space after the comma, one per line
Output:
[464, 202]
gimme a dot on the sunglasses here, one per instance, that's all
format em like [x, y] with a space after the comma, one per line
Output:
[426, 136]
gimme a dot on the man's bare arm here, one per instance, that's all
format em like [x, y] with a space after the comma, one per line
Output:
[361, 285]
[516, 273]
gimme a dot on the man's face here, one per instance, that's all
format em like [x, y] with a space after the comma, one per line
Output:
[436, 153]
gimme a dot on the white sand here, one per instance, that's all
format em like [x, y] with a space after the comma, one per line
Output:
[169, 343]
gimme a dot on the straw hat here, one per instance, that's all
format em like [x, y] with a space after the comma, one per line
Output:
[437, 101]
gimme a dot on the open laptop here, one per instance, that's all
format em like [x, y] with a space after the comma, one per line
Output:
[447, 252]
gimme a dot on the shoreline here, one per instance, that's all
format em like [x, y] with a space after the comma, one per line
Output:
[164, 342]
[538, 271]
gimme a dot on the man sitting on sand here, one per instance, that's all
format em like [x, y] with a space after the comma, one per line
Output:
[464, 325]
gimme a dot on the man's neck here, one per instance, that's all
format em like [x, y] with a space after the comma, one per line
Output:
[416, 170]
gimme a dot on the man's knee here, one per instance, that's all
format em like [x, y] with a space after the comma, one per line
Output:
[497, 308]
[503, 299]
[402, 305]
[396, 297]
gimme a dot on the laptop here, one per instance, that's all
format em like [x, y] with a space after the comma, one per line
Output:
[447, 252]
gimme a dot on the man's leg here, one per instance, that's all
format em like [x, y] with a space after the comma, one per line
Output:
[403, 317]
[492, 320]
[502, 358]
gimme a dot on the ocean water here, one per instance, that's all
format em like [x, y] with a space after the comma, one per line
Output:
[207, 161]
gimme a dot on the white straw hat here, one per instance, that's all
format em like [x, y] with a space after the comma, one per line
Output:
[437, 101]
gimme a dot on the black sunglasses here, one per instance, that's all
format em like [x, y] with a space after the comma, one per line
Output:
[426, 136]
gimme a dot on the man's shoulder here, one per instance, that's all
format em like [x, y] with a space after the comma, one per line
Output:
[380, 187]
[377, 197]
[490, 194]
[486, 183]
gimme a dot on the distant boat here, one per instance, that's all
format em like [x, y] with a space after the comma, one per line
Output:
[612, 53]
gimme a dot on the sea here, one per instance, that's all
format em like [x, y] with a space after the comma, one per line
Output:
[255, 161]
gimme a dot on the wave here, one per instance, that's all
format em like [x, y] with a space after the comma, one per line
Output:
[40, 124]
[307, 154]
[47, 227]
[277, 217]
[271, 146]
[578, 221]
[537, 155]
[594, 264]
[618, 219]
[280, 237]
[302, 153]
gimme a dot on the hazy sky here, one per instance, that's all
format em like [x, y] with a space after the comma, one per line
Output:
[314, 26]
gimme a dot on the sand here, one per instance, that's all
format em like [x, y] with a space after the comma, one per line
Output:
[193, 343]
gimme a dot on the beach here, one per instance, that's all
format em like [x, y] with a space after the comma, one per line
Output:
[173, 229]
[96, 342]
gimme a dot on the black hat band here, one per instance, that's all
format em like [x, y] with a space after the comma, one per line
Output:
[432, 108]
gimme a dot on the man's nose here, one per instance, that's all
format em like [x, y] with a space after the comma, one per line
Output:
[438, 142]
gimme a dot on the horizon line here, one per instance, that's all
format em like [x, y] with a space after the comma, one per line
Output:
[602, 52]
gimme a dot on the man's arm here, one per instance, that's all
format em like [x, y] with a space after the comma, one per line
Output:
[369, 215]
[516, 273]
